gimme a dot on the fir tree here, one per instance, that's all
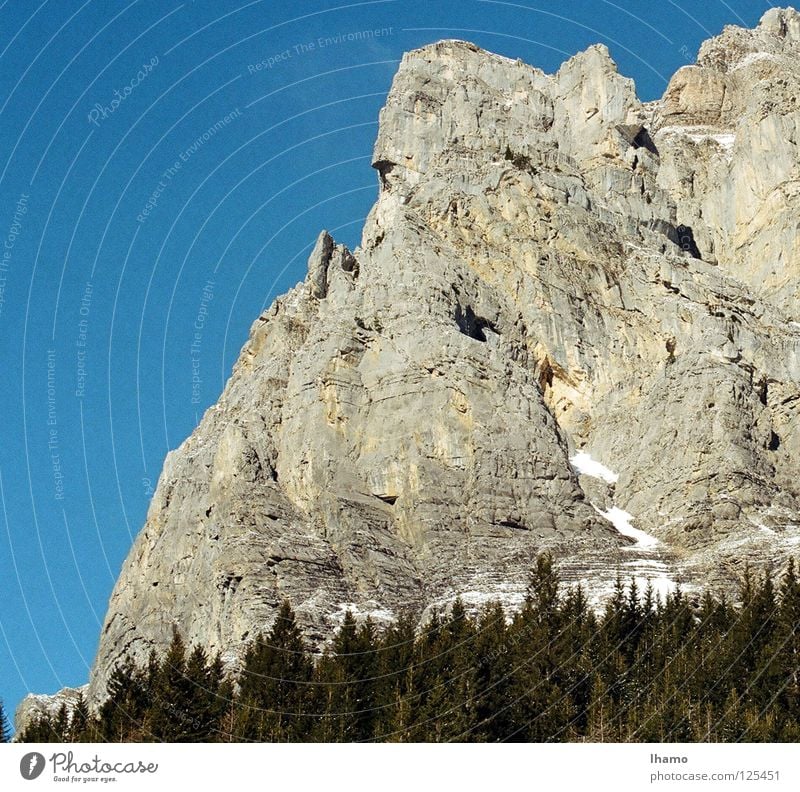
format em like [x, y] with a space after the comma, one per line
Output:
[168, 719]
[347, 679]
[494, 681]
[275, 689]
[61, 730]
[81, 727]
[122, 714]
[395, 681]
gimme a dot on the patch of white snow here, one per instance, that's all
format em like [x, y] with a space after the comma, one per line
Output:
[376, 613]
[662, 585]
[584, 464]
[725, 140]
[621, 520]
[697, 134]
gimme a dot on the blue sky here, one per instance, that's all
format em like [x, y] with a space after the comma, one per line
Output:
[166, 168]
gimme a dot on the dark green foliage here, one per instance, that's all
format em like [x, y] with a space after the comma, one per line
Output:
[121, 715]
[176, 699]
[81, 727]
[643, 671]
[274, 686]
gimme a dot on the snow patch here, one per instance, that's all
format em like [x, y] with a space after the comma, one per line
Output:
[621, 520]
[359, 612]
[697, 134]
[662, 585]
[511, 601]
[584, 464]
[723, 139]
[726, 140]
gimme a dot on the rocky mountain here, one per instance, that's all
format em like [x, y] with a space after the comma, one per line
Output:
[572, 324]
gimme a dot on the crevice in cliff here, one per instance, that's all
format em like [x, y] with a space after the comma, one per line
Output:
[384, 168]
[472, 325]
[512, 524]
[229, 584]
[684, 239]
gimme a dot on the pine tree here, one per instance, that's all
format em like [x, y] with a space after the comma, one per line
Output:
[494, 680]
[121, 716]
[598, 715]
[395, 689]
[445, 679]
[39, 730]
[80, 724]
[206, 700]
[543, 589]
[789, 637]
[275, 691]
[167, 719]
[347, 679]
[61, 730]
[543, 660]
[337, 673]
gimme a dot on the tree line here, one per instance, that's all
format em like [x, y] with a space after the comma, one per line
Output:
[642, 670]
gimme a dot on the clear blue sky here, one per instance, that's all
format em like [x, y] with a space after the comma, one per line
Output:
[99, 302]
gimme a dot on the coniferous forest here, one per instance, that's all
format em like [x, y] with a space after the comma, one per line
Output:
[643, 670]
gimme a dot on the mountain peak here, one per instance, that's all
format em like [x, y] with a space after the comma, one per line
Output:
[775, 39]
[784, 23]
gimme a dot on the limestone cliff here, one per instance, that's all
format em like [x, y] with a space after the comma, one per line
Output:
[551, 267]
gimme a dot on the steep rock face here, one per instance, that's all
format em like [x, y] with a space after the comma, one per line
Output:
[550, 266]
[728, 129]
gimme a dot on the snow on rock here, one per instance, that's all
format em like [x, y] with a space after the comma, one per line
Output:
[585, 465]
[645, 563]
[510, 600]
[697, 134]
[723, 139]
[479, 593]
[654, 574]
[726, 140]
[361, 612]
[621, 520]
